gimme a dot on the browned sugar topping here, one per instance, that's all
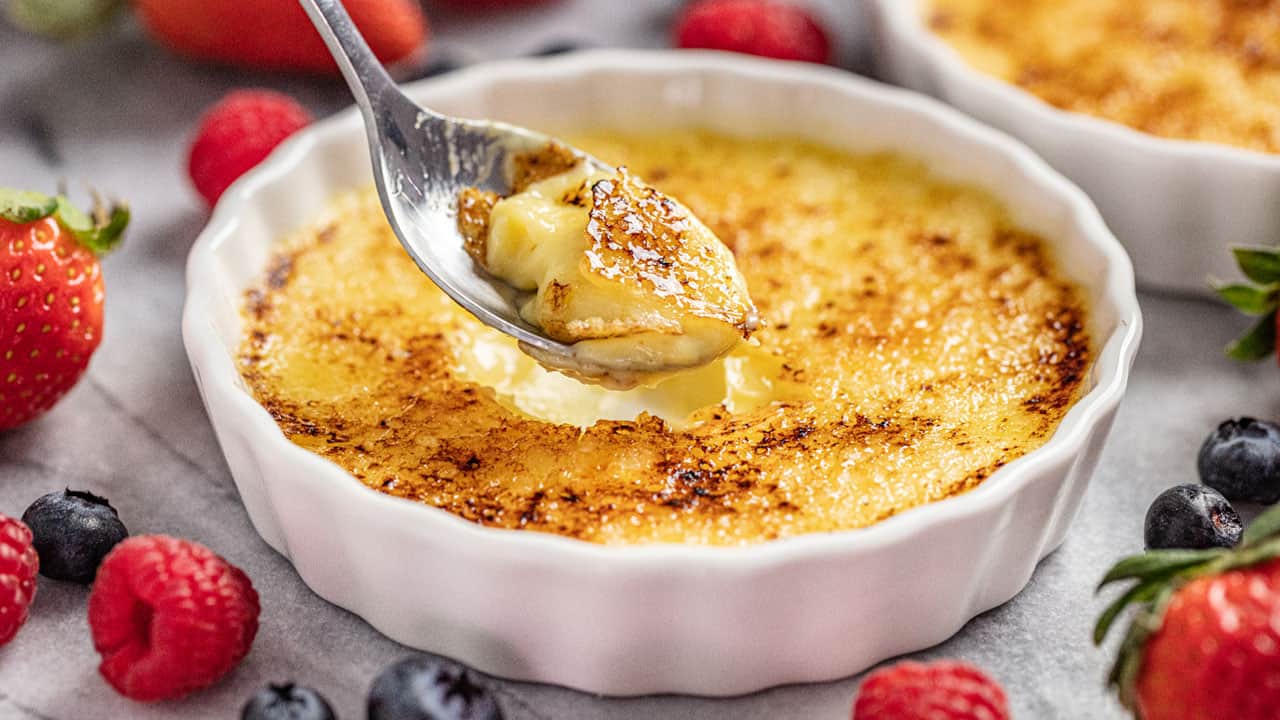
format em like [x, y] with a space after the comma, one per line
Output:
[922, 340]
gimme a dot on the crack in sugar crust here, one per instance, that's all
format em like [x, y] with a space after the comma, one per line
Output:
[924, 340]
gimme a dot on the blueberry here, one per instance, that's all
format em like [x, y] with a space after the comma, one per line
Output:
[421, 688]
[1192, 517]
[287, 702]
[1241, 460]
[72, 531]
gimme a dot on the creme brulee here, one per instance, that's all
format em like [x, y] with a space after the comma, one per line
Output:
[1189, 69]
[916, 341]
[627, 276]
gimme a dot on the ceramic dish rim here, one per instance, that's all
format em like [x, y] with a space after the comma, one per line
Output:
[216, 369]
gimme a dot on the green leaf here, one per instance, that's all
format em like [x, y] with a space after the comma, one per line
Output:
[99, 233]
[1257, 343]
[1154, 563]
[1250, 299]
[1124, 673]
[62, 19]
[1268, 549]
[1264, 526]
[1142, 592]
[1259, 264]
[21, 206]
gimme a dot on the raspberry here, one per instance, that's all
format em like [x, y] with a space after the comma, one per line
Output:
[18, 567]
[237, 133]
[942, 690]
[169, 617]
[756, 27]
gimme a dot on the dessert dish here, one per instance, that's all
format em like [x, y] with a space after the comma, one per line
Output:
[1204, 71]
[1180, 155]
[917, 341]
[661, 617]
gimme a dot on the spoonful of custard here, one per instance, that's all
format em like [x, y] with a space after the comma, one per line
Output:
[596, 274]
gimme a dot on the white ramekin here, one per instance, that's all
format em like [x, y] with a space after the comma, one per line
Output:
[665, 618]
[1177, 205]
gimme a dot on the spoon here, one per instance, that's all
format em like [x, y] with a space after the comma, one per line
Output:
[421, 159]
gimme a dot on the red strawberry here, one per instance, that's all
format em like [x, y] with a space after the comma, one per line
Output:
[1205, 643]
[1261, 298]
[941, 690]
[276, 34]
[481, 5]
[169, 617]
[756, 27]
[50, 297]
[237, 133]
[18, 567]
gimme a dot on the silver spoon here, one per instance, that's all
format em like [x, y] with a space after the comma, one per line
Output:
[421, 159]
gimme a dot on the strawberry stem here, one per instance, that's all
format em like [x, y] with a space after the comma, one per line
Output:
[99, 232]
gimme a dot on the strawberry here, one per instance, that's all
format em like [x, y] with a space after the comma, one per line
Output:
[276, 34]
[1259, 298]
[757, 27]
[238, 132]
[1205, 642]
[50, 297]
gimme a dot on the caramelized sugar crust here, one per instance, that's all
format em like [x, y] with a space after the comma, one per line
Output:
[639, 238]
[1190, 69]
[920, 341]
[474, 208]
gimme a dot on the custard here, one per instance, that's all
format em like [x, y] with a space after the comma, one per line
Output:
[629, 278]
[1204, 70]
[917, 340]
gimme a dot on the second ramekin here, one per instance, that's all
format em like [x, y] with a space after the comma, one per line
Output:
[1176, 205]
[662, 618]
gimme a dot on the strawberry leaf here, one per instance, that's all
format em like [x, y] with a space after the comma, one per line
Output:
[1143, 592]
[1157, 563]
[1124, 673]
[1258, 342]
[1264, 526]
[1261, 265]
[101, 232]
[21, 206]
[1250, 299]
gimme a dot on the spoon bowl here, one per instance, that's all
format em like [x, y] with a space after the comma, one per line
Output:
[421, 160]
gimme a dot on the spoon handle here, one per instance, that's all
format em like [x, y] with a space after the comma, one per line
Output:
[369, 81]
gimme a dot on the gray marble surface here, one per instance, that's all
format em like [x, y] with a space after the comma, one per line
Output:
[116, 112]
